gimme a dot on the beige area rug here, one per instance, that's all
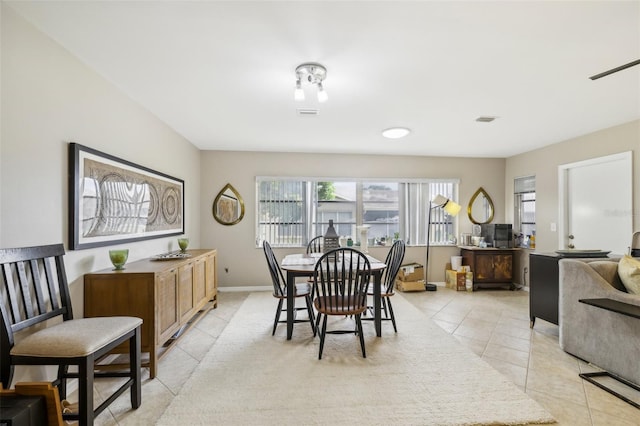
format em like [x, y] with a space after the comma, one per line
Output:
[419, 376]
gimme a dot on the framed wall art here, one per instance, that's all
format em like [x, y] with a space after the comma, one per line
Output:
[112, 200]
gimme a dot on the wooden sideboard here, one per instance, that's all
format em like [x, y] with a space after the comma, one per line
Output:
[491, 267]
[169, 296]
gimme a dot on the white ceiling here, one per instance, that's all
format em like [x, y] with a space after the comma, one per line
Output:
[222, 73]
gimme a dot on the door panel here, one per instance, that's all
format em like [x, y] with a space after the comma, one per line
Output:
[597, 204]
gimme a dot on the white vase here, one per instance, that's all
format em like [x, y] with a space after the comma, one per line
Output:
[364, 238]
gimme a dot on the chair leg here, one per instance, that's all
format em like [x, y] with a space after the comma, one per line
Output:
[135, 366]
[85, 391]
[384, 307]
[311, 316]
[322, 335]
[62, 381]
[393, 317]
[359, 325]
[318, 318]
[275, 322]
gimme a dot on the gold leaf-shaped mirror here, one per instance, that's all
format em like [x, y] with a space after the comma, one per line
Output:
[228, 207]
[480, 208]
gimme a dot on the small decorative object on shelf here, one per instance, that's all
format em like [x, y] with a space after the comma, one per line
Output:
[171, 255]
[331, 238]
[183, 243]
[119, 258]
[364, 237]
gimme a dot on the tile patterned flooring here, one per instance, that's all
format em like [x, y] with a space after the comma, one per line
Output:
[492, 323]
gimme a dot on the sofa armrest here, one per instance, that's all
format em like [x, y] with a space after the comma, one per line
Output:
[578, 280]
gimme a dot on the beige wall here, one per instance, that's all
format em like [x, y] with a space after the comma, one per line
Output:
[236, 244]
[49, 98]
[544, 162]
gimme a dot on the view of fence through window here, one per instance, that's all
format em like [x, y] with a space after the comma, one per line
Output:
[291, 212]
[525, 208]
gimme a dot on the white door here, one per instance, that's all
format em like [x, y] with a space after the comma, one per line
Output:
[596, 205]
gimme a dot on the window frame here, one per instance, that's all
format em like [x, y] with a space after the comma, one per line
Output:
[419, 208]
[523, 186]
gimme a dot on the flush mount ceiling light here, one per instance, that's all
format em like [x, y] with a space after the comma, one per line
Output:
[313, 74]
[485, 119]
[395, 132]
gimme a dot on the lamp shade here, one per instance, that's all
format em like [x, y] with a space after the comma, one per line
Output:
[447, 205]
[452, 208]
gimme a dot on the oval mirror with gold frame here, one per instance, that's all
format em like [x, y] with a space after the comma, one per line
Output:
[480, 208]
[228, 207]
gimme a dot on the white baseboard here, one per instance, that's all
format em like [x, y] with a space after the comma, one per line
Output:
[245, 288]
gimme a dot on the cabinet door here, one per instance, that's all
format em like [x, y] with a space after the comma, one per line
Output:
[211, 278]
[484, 267]
[199, 283]
[168, 320]
[502, 266]
[186, 303]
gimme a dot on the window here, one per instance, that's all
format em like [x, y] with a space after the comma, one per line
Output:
[291, 211]
[525, 208]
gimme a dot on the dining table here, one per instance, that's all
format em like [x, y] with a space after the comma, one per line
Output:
[303, 265]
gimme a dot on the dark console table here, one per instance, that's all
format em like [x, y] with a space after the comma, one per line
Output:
[623, 309]
[544, 285]
[543, 291]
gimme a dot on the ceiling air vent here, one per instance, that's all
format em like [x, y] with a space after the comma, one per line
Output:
[307, 112]
[485, 119]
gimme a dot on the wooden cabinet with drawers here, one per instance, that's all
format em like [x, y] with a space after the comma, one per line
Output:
[491, 267]
[169, 296]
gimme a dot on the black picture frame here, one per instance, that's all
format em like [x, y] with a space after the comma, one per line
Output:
[113, 201]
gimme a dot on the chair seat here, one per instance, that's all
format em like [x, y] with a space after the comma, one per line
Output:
[302, 289]
[370, 291]
[75, 338]
[333, 305]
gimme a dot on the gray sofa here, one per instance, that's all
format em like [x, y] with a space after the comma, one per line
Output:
[606, 339]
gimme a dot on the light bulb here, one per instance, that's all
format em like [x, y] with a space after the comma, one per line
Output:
[322, 95]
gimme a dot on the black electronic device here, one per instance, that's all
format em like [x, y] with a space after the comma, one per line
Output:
[499, 235]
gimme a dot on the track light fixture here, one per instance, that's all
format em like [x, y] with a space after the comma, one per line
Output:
[313, 74]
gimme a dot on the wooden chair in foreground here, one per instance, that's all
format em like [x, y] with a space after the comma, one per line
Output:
[35, 291]
[341, 278]
[393, 262]
[280, 290]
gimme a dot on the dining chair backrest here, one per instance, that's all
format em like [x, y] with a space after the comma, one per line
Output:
[277, 277]
[393, 262]
[316, 245]
[35, 290]
[341, 278]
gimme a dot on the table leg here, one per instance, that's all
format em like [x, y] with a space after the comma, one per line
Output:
[377, 311]
[291, 282]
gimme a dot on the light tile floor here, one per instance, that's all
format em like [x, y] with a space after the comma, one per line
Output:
[492, 323]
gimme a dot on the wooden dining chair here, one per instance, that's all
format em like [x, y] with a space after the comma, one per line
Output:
[316, 245]
[280, 291]
[340, 281]
[34, 291]
[393, 261]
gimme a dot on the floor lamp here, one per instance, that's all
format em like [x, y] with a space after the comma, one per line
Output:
[452, 208]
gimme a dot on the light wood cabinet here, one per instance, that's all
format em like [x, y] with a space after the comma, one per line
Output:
[169, 296]
[491, 267]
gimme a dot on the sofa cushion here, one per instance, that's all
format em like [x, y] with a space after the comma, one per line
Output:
[609, 271]
[629, 271]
